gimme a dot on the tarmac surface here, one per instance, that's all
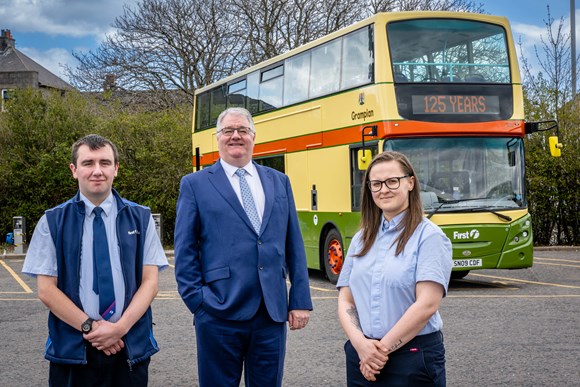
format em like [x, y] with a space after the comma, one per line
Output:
[502, 328]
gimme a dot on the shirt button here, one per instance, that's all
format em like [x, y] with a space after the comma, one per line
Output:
[259, 242]
[261, 267]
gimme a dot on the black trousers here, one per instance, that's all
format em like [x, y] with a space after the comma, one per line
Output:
[420, 362]
[100, 371]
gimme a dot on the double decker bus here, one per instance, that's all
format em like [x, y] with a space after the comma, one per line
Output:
[443, 88]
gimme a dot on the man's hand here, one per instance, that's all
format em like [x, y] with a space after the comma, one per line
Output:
[106, 337]
[297, 319]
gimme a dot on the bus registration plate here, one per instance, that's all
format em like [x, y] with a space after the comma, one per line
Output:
[467, 263]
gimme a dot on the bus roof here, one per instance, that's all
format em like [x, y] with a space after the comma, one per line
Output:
[379, 17]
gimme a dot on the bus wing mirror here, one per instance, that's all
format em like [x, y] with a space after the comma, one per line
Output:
[555, 146]
[364, 157]
[531, 127]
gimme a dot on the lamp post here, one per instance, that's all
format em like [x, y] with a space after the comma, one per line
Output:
[573, 45]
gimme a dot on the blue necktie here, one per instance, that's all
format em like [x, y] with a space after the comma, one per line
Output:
[103, 275]
[248, 200]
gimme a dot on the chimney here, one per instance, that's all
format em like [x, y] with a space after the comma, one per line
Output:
[6, 40]
[110, 82]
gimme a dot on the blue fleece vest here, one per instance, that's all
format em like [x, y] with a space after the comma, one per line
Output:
[65, 344]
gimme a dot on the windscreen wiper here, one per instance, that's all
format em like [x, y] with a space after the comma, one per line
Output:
[499, 215]
[441, 205]
[455, 201]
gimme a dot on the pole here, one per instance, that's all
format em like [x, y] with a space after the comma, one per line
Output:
[573, 45]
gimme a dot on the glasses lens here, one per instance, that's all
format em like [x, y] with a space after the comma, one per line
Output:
[243, 131]
[393, 183]
[375, 185]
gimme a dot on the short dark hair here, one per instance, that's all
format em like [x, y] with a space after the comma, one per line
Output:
[94, 142]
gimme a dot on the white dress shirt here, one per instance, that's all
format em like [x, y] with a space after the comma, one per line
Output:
[253, 180]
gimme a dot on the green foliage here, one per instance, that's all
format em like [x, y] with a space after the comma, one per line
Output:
[553, 183]
[154, 153]
[36, 134]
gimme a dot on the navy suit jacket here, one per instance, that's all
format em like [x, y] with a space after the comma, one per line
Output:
[222, 265]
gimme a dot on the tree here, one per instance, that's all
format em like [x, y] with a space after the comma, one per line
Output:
[425, 5]
[553, 182]
[181, 45]
[36, 134]
[163, 45]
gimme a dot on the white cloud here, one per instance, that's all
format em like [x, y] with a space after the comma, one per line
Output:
[528, 34]
[75, 18]
[52, 59]
[78, 25]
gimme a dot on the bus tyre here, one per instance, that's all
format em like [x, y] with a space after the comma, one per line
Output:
[459, 274]
[333, 255]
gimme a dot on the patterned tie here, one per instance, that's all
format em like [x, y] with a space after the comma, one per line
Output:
[103, 275]
[248, 200]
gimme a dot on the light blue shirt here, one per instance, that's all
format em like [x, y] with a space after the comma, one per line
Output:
[383, 285]
[41, 255]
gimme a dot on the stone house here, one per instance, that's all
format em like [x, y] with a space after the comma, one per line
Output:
[19, 71]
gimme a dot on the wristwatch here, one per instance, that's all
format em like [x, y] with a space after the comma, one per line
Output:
[87, 326]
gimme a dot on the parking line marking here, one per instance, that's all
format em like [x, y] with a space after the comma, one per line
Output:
[526, 281]
[323, 289]
[19, 299]
[16, 277]
[557, 259]
[555, 264]
[487, 296]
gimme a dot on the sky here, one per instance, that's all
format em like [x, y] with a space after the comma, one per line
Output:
[48, 31]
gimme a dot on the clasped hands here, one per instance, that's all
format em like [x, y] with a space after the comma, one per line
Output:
[373, 357]
[106, 336]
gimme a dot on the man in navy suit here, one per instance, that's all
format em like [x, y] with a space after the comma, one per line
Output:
[237, 240]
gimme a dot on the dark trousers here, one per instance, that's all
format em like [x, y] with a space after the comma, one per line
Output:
[224, 348]
[420, 362]
[100, 371]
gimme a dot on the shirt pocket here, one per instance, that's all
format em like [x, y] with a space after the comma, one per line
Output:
[401, 271]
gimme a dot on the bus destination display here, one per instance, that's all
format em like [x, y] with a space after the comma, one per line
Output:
[455, 104]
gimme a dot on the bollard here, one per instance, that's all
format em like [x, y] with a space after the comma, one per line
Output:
[19, 223]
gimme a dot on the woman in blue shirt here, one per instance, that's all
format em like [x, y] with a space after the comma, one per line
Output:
[394, 278]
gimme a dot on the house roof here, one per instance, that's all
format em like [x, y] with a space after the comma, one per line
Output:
[12, 60]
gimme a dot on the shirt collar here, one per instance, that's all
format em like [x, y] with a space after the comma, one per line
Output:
[230, 170]
[106, 205]
[386, 225]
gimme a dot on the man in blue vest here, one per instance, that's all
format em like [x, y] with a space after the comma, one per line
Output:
[96, 258]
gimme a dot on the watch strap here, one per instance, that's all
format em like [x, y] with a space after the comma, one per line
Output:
[88, 323]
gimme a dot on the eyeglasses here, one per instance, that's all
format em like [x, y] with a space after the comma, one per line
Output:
[391, 183]
[242, 131]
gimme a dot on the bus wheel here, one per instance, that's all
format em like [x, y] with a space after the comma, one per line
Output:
[459, 274]
[333, 255]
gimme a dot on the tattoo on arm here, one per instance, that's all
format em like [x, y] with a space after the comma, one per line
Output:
[396, 346]
[353, 313]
